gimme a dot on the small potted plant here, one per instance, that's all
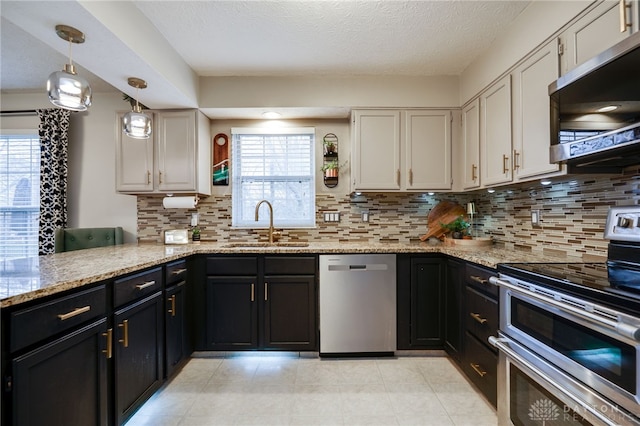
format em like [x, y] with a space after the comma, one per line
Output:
[195, 234]
[330, 169]
[329, 142]
[457, 228]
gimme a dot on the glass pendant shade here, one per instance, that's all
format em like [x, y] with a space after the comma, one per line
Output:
[68, 90]
[137, 124]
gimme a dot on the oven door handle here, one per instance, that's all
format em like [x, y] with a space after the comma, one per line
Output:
[502, 344]
[623, 329]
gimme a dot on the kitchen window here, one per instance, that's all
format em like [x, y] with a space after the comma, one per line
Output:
[276, 165]
[19, 196]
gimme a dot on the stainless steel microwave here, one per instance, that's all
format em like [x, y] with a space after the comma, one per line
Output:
[595, 112]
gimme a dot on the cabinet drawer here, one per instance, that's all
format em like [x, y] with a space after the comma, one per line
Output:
[232, 265]
[176, 272]
[481, 315]
[39, 322]
[481, 366]
[289, 265]
[478, 277]
[135, 286]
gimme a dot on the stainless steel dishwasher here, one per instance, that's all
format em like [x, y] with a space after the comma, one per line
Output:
[357, 304]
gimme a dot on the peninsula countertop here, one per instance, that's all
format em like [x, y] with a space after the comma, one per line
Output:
[32, 278]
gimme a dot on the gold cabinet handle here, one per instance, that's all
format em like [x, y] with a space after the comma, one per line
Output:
[125, 333]
[266, 286]
[253, 287]
[478, 318]
[476, 368]
[76, 311]
[478, 279]
[145, 285]
[172, 309]
[505, 162]
[109, 336]
[474, 169]
[516, 155]
[398, 176]
[148, 177]
[159, 177]
[410, 176]
[623, 15]
[178, 271]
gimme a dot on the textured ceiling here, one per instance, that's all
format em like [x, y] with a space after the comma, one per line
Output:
[172, 43]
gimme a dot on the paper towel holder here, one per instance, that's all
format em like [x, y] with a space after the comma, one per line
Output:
[196, 200]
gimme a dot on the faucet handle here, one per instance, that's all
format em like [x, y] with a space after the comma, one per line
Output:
[276, 235]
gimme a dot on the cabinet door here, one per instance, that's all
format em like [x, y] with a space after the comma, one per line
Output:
[428, 150]
[63, 383]
[176, 141]
[426, 303]
[232, 313]
[290, 312]
[453, 327]
[495, 133]
[531, 113]
[376, 150]
[134, 162]
[471, 144]
[175, 327]
[594, 33]
[138, 354]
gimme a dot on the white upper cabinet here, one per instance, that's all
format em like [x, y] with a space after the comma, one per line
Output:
[376, 150]
[427, 150]
[495, 133]
[413, 157]
[471, 145]
[597, 31]
[531, 129]
[175, 159]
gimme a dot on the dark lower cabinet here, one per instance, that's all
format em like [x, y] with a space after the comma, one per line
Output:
[231, 313]
[258, 302]
[138, 354]
[64, 382]
[289, 312]
[420, 302]
[176, 330]
[453, 306]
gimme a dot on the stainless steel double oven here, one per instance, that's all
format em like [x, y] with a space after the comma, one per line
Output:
[569, 342]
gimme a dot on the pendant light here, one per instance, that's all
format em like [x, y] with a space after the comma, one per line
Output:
[66, 89]
[137, 124]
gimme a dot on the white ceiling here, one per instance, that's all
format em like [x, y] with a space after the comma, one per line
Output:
[173, 43]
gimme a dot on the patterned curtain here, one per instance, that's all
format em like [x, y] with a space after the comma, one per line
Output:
[54, 124]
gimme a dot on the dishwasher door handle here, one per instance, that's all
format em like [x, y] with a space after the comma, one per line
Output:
[352, 267]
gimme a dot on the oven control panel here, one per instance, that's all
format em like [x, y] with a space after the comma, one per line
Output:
[623, 224]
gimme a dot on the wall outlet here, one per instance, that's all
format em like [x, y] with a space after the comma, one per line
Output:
[332, 216]
[365, 216]
[535, 217]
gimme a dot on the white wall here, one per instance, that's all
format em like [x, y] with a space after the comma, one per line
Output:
[92, 198]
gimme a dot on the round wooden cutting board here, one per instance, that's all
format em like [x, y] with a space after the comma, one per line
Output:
[443, 212]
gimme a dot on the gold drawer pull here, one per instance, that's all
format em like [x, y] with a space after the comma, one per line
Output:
[125, 333]
[505, 162]
[76, 311]
[179, 271]
[252, 292]
[476, 368]
[266, 290]
[478, 318]
[109, 350]
[172, 310]
[474, 168]
[145, 285]
[479, 279]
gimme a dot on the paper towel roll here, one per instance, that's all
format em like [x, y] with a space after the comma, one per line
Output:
[180, 202]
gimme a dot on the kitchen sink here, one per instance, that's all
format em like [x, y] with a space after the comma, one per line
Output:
[265, 244]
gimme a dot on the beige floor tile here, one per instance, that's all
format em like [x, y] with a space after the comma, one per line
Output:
[400, 371]
[370, 420]
[484, 420]
[317, 401]
[365, 400]
[432, 420]
[327, 420]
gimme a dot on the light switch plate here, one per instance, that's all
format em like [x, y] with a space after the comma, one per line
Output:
[535, 217]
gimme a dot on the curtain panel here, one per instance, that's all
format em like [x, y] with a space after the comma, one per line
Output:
[53, 129]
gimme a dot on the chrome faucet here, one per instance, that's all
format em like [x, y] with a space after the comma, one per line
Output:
[272, 234]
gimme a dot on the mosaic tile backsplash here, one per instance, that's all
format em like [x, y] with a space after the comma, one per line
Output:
[573, 211]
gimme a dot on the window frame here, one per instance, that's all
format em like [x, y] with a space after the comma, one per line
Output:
[237, 180]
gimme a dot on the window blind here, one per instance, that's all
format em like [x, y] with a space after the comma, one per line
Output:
[19, 196]
[276, 165]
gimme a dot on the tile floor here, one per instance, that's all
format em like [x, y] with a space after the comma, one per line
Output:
[285, 389]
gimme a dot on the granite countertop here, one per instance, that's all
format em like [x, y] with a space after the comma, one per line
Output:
[31, 278]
